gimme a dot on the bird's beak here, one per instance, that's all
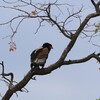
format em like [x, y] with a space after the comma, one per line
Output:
[51, 47]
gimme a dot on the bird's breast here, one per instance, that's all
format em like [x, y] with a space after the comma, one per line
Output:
[43, 54]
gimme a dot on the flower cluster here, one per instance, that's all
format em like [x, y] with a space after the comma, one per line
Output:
[12, 46]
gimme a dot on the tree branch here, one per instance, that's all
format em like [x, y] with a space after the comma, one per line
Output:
[7, 74]
[96, 6]
[82, 60]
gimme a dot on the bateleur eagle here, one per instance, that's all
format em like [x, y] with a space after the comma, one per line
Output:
[40, 55]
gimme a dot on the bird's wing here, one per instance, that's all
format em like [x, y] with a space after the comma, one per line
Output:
[35, 53]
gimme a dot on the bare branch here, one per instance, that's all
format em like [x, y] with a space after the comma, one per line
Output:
[40, 25]
[42, 8]
[14, 8]
[17, 17]
[7, 74]
[96, 6]
[82, 60]
[10, 2]
[72, 15]
[15, 31]
[55, 23]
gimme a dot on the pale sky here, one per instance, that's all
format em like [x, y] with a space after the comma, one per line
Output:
[71, 82]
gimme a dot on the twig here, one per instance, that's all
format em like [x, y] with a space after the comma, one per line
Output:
[10, 2]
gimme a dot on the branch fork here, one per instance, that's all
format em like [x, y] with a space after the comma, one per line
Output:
[5, 75]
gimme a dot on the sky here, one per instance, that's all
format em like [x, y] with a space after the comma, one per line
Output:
[70, 82]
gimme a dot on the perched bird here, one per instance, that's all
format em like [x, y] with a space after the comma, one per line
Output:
[40, 55]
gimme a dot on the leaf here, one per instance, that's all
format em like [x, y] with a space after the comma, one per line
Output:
[96, 30]
[12, 46]
[98, 99]
[33, 13]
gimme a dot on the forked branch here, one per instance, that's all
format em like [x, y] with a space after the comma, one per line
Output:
[96, 5]
[5, 75]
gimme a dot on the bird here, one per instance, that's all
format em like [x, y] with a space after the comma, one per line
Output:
[40, 55]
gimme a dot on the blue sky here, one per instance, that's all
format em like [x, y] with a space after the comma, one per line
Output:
[71, 82]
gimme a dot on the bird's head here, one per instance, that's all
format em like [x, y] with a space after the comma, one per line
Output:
[48, 45]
